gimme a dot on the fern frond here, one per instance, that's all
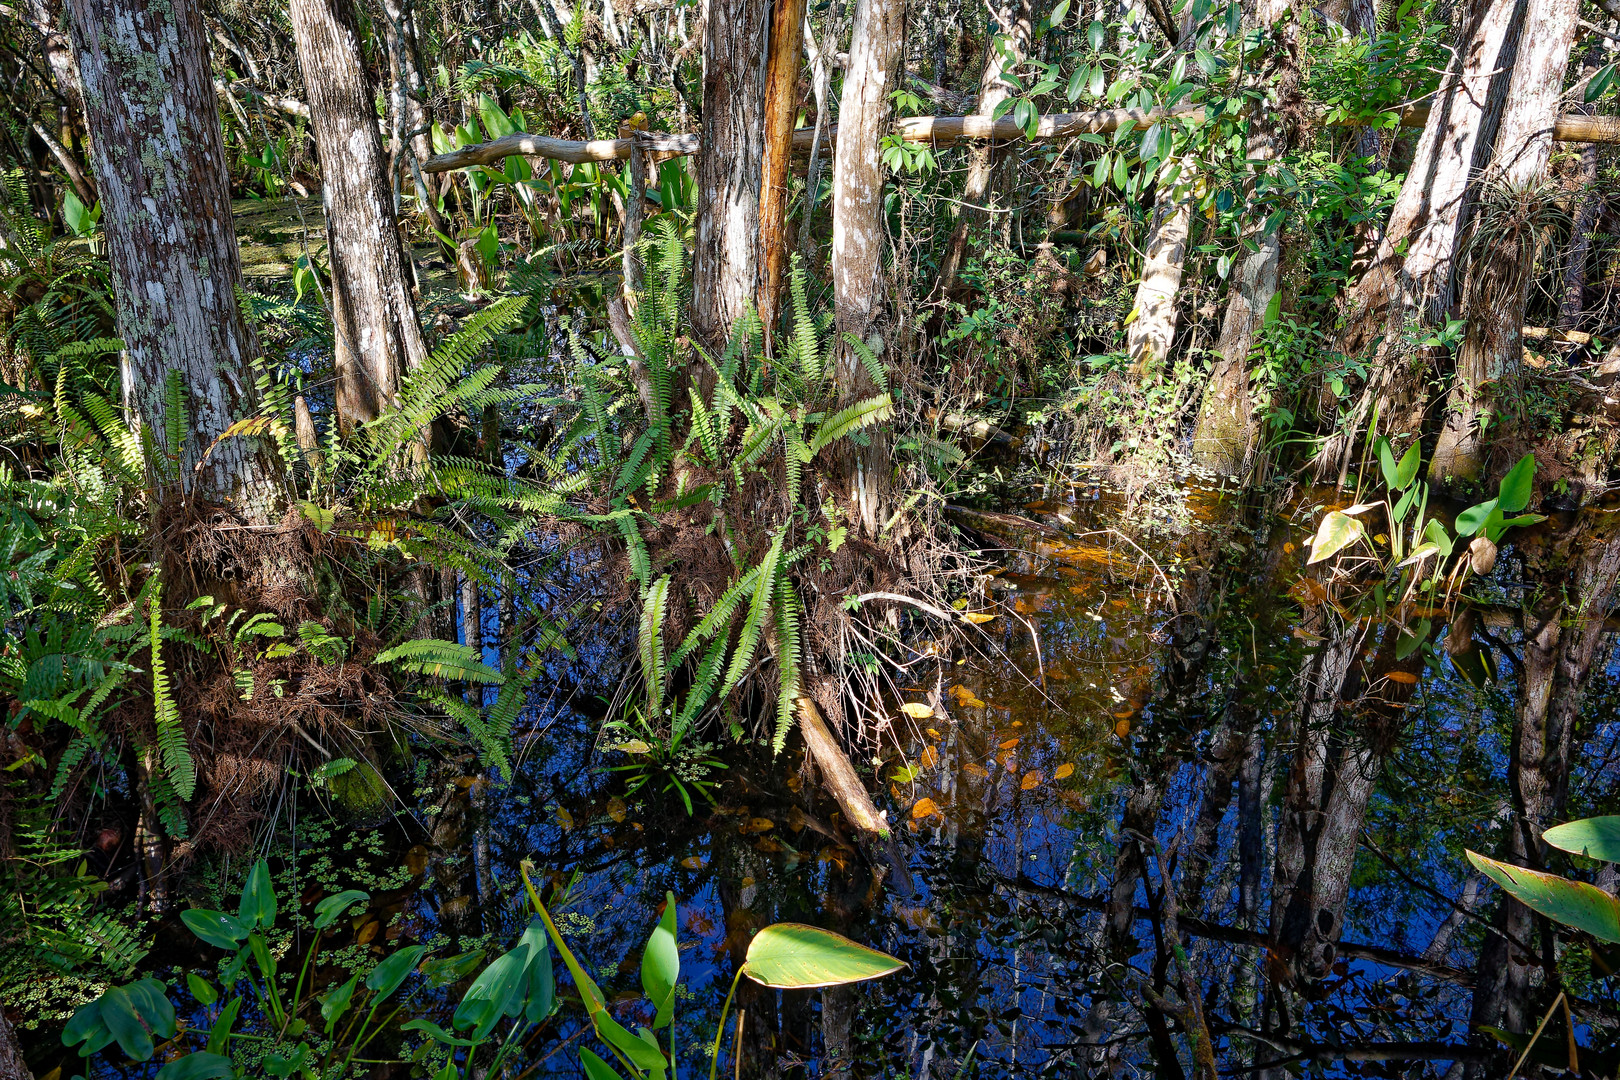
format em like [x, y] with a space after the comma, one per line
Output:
[180, 770]
[742, 657]
[651, 644]
[787, 659]
[441, 659]
[852, 418]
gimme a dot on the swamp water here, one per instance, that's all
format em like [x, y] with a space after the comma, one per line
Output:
[1138, 706]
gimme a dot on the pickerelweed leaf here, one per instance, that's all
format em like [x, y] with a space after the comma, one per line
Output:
[215, 927]
[1573, 903]
[1596, 838]
[1513, 493]
[793, 956]
[1337, 532]
[199, 1066]
[661, 965]
[386, 976]
[258, 905]
[330, 909]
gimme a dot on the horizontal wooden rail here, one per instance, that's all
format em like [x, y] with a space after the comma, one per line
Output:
[937, 130]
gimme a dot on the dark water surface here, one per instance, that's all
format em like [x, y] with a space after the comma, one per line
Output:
[1145, 703]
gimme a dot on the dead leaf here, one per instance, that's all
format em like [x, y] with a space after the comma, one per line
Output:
[924, 808]
[929, 758]
[416, 860]
[756, 825]
[364, 935]
[977, 616]
[1122, 729]
[1031, 780]
[616, 809]
[1063, 772]
[975, 769]
[1010, 743]
[564, 819]
[694, 862]
[932, 734]
[1406, 678]
[917, 710]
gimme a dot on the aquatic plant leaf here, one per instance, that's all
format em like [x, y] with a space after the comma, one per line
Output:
[258, 904]
[121, 1015]
[491, 995]
[286, 1064]
[1473, 519]
[1572, 903]
[328, 910]
[201, 989]
[1513, 493]
[1406, 472]
[661, 965]
[215, 927]
[1338, 531]
[793, 956]
[1386, 464]
[596, 1068]
[386, 976]
[336, 1002]
[199, 1066]
[219, 1036]
[1596, 838]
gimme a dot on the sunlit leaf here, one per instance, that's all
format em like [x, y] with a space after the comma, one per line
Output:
[1031, 780]
[1063, 771]
[977, 616]
[1572, 903]
[792, 956]
[1596, 838]
[1337, 531]
[917, 710]
[1513, 493]
[1473, 519]
[661, 965]
[924, 808]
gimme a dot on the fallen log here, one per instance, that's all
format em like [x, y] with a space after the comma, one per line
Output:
[938, 131]
[838, 774]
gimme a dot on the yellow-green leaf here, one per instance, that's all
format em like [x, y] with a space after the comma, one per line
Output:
[792, 956]
[1337, 532]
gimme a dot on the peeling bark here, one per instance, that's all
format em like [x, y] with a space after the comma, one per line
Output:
[781, 107]
[860, 237]
[725, 259]
[1152, 331]
[161, 170]
[1500, 281]
[378, 338]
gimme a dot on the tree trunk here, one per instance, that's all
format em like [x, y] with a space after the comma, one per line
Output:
[160, 166]
[725, 260]
[1152, 331]
[13, 1066]
[45, 17]
[781, 106]
[1016, 23]
[410, 86]
[1424, 224]
[1225, 434]
[377, 336]
[1588, 208]
[859, 236]
[1499, 281]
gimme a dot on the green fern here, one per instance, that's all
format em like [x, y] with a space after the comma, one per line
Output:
[441, 659]
[180, 772]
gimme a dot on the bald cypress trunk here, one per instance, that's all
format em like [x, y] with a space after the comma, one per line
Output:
[725, 260]
[1500, 274]
[377, 336]
[781, 106]
[160, 166]
[859, 237]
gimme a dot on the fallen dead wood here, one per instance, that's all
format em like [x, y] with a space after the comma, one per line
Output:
[838, 774]
[937, 131]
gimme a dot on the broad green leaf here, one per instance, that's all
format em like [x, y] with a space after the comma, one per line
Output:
[1599, 83]
[1150, 142]
[595, 1067]
[219, 1036]
[199, 1066]
[1096, 34]
[490, 996]
[201, 989]
[643, 1052]
[1408, 469]
[286, 1064]
[386, 976]
[119, 1013]
[336, 1002]
[792, 956]
[215, 927]
[258, 906]
[1419, 553]
[1410, 643]
[1572, 903]
[1435, 532]
[442, 973]
[151, 1000]
[661, 965]
[1273, 309]
[1515, 488]
[1596, 838]
[1471, 520]
[85, 1023]
[328, 911]
[541, 998]
[1520, 520]
[1386, 464]
[1337, 532]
